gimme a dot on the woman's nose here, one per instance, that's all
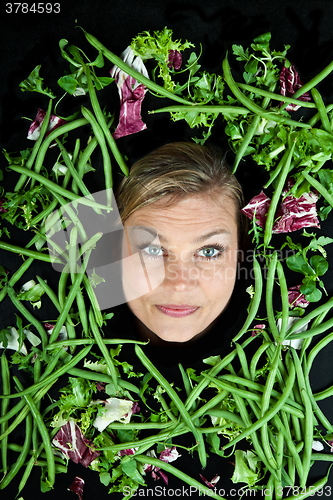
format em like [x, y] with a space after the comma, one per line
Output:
[180, 274]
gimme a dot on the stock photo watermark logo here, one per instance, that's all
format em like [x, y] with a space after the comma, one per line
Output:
[87, 236]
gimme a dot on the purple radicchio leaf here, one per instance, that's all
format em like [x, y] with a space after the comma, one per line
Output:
[168, 455]
[127, 451]
[174, 59]
[36, 125]
[290, 82]
[2, 209]
[258, 329]
[77, 487]
[74, 445]
[296, 298]
[212, 483]
[131, 94]
[292, 213]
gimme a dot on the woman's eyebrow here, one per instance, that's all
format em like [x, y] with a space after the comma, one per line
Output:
[212, 233]
[162, 238]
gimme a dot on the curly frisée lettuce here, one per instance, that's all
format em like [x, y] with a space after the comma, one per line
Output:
[163, 49]
[247, 466]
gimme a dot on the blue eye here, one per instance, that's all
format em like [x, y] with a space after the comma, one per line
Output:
[152, 251]
[213, 252]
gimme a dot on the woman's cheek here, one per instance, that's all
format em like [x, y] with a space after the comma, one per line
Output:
[139, 277]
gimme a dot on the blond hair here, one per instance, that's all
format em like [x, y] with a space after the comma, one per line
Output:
[174, 171]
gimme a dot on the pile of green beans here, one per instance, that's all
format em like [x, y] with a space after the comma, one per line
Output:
[275, 408]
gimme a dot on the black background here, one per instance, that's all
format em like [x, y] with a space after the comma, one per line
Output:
[31, 39]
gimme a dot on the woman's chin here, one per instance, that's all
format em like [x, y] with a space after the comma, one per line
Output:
[161, 335]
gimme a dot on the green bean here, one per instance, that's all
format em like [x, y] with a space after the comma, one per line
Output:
[212, 403]
[251, 130]
[308, 428]
[212, 372]
[308, 317]
[36, 147]
[291, 407]
[323, 327]
[74, 161]
[181, 475]
[284, 298]
[131, 71]
[287, 459]
[319, 396]
[241, 151]
[315, 118]
[279, 461]
[269, 295]
[43, 433]
[316, 409]
[52, 364]
[166, 409]
[106, 157]
[22, 456]
[29, 253]
[62, 287]
[201, 108]
[248, 103]
[37, 374]
[176, 399]
[277, 194]
[69, 301]
[18, 448]
[53, 187]
[105, 128]
[275, 97]
[54, 134]
[102, 377]
[269, 490]
[93, 301]
[255, 302]
[104, 350]
[314, 81]
[88, 340]
[49, 292]
[5, 376]
[325, 457]
[186, 380]
[86, 154]
[256, 357]
[82, 311]
[16, 276]
[226, 415]
[268, 414]
[54, 376]
[243, 361]
[138, 425]
[290, 444]
[149, 441]
[79, 182]
[319, 187]
[33, 462]
[311, 490]
[265, 402]
[256, 444]
[27, 315]
[12, 412]
[321, 110]
[44, 213]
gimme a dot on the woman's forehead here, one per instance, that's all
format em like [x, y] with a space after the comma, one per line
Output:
[192, 214]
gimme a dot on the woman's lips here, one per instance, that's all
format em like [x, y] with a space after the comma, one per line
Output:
[177, 311]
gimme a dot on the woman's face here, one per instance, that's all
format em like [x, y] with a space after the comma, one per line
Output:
[182, 264]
